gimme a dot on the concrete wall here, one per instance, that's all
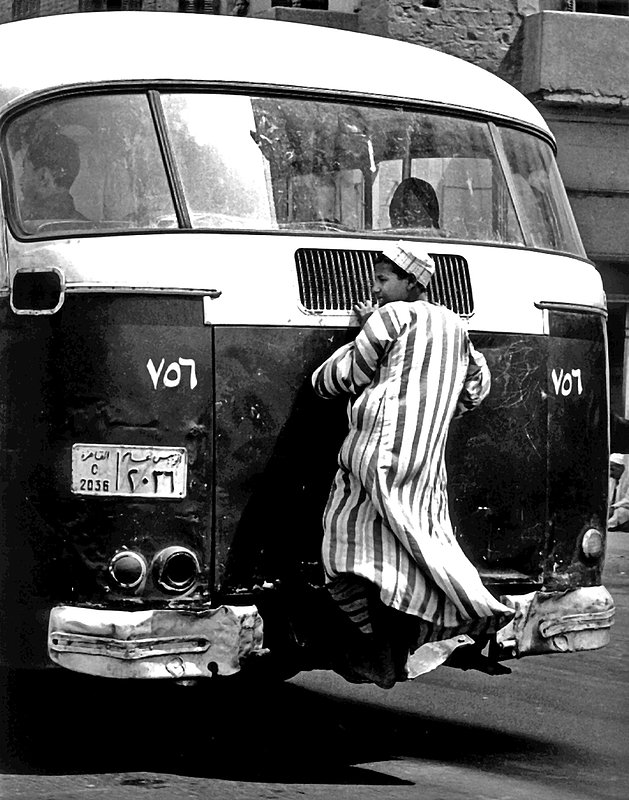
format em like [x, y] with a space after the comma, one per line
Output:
[577, 59]
[479, 31]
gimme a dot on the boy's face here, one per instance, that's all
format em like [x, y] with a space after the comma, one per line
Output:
[388, 286]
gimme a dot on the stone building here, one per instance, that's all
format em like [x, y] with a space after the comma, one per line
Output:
[570, 57]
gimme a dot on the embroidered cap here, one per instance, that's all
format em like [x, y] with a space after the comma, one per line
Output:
[413, 260]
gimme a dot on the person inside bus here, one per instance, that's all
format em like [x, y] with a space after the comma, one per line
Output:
[414, 205]
[393, 565]
[51, 165]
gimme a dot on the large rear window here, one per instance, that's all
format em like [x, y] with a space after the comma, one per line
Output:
[209, 161]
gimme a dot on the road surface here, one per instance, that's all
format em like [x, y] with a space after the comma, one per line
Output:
[556, 729]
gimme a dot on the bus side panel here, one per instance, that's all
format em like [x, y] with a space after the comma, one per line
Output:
[578, 419]
[277, 446]
[276, 454]
[497, 463]
[106, 369]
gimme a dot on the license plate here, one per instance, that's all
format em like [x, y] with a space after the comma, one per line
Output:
[129, 471]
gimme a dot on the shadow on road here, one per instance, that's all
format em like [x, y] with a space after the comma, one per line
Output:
[73, 724]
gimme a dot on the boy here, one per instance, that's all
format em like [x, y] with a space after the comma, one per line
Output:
[392, 561]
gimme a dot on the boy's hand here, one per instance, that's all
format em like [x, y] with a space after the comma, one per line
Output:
[363, 311]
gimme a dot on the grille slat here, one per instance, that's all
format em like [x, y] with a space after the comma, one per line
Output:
[335, 280]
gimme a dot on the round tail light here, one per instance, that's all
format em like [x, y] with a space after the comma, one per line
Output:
[592, 543]
[128, 569]
[176, 569]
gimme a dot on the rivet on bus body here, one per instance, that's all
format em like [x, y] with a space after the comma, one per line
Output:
[128, 569]
[176, 569]
[592, 543]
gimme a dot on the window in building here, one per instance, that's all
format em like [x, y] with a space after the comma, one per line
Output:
[618, 7]
[317, 5]
[22, 9]
[199, 6]
[110, 5]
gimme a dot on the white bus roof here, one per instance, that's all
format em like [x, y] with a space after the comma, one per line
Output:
[65, 50]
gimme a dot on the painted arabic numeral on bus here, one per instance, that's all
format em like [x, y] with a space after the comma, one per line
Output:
[566, 382]
[172, 375]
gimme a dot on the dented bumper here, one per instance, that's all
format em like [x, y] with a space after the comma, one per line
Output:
[556, 622]
[162, 643]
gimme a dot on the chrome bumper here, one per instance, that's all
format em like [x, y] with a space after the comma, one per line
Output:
[556, 622]
[164, 643]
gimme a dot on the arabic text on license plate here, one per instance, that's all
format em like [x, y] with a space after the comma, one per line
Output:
[115, 469]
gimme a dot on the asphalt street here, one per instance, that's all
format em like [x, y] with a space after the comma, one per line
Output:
[557, 728]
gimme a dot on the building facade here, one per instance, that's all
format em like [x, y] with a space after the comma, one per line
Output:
[570, 57]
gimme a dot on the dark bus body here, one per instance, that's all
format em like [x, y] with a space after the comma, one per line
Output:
[164, 460]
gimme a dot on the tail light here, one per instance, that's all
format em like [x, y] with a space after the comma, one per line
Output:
[128, 569]
[176, 569]
[592, 544]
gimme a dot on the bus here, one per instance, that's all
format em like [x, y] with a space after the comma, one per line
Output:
[191, 207]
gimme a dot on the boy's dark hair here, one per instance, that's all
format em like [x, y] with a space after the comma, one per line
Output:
[397, 271]
[59, 153]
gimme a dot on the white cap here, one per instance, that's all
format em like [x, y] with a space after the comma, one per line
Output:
[412, 259]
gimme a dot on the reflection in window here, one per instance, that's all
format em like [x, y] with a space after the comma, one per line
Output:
[224, 174]
[541, 198]
[344, 167]
[268, 164]
[89, 163]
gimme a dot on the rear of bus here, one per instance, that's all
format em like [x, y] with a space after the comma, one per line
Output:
[164, 461]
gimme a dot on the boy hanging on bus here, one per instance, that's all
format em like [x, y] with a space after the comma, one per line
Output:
[392, 561]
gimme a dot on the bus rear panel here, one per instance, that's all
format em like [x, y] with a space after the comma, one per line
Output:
[165, 462]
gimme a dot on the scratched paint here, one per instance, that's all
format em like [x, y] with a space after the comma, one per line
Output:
[261, 453]
[274, 466]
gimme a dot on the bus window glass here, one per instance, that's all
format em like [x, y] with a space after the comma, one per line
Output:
[361, 168]
[225, 177]
[88, 163]
[544, 208]
[93, 163]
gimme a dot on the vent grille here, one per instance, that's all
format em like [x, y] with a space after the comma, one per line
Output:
[335, 280]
